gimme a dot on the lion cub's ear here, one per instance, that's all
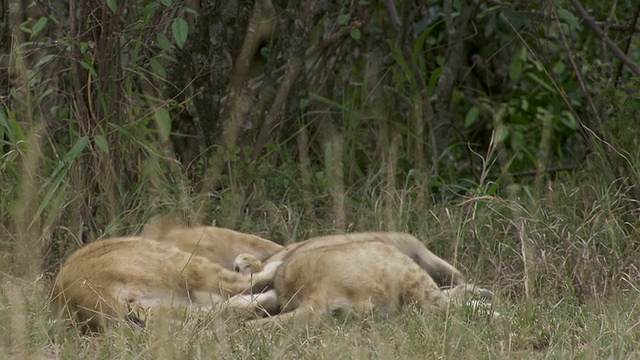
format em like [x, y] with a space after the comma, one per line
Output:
[158, 226]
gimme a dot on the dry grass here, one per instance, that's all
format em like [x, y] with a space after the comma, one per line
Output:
[540, 329]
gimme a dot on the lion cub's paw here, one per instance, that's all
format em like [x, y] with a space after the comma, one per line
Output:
[247, 264]
[472, 296]
[466, 292]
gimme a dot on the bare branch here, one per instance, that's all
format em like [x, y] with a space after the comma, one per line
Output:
[235, 109]
[580, 79]
[614, 48]
[393, 14]
[631, 29]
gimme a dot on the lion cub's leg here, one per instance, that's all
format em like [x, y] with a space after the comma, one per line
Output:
[204, 276]
[309, 312]
[254, 304]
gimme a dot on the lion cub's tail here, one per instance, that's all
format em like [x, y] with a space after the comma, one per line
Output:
[443, 273]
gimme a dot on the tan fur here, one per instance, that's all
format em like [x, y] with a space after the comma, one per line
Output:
[358, 276]
[111, 278]
[247, 264]
[219, 245]
[443, 273]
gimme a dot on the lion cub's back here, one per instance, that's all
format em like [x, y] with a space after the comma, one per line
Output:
[439, 269]
[363, 274]
[98, 278]
[123, 257]
[219, 245]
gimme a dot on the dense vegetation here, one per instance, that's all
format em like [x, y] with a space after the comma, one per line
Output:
[504, 133]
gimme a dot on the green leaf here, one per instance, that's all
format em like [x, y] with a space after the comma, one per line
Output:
[355, 34]
[265, 52]
[501, 134]
[102, 143]
[12, 127]
[77, 149]
[541, 82]
[517, 140]
[163, 121]
[568, 120]
[113, 5]
[304, 103]
[421, 41]
[180, 30]
[163, 42]
[188, 10]
[38, 26]
[89, 68]
[515, 70]
[569, 18]
[44, 96]
[157, 68]
[45, 59]
[472, 116]
[343, 19]
[433, 79]
[167, 3]
[148, 13]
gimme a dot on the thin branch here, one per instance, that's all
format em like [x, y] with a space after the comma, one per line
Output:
[393, 14]
[631, 30]
[605, 29]
[581, 82]
[614, 48]
[620, 27]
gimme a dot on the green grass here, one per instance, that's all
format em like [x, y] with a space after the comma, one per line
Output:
[538, 329]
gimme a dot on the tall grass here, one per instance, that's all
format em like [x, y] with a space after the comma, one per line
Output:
[585, 305]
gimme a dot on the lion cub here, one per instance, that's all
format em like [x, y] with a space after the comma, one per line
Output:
[219, 245]
[363, 277]
[443, 273]
[114, 278]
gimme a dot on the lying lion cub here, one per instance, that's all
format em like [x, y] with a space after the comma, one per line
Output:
[364, 277]
[443, 273]
[114, 278]
[219, 245]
